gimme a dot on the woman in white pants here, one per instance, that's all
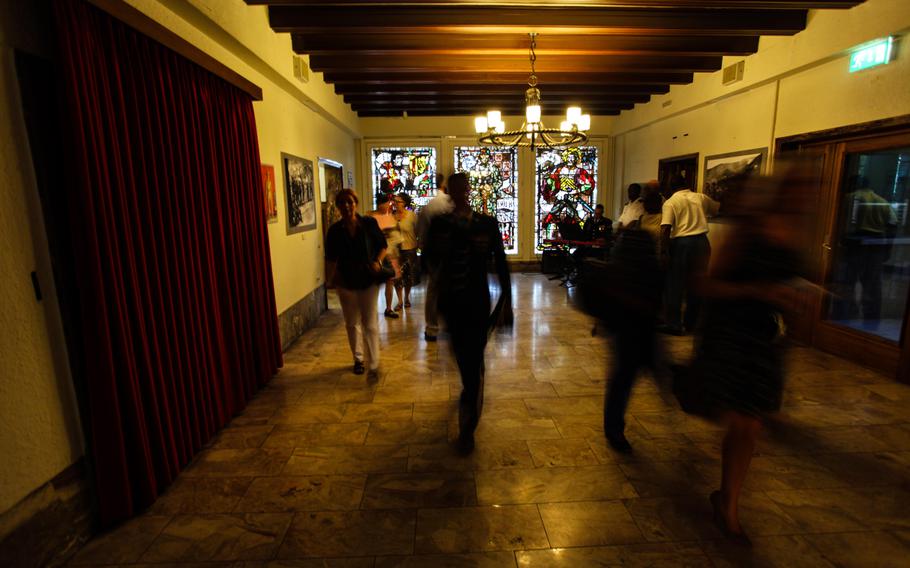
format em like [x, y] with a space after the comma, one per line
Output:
[354, 250]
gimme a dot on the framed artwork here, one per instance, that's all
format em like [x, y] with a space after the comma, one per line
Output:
[268, 191]
[668, 168]
[723, 171]
[301, 198]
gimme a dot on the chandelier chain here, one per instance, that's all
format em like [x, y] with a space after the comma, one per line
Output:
[532, 80]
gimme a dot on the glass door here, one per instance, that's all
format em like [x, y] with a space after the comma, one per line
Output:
[869, 275]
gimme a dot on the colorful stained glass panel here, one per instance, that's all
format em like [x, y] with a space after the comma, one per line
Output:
[412, 170]
[566, 184]
[494, 186]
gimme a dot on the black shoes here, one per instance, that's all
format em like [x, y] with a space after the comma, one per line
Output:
[373, 376]
[428, 337]
[390, 314]
[618, 442]
[358, 367]
[738, 538]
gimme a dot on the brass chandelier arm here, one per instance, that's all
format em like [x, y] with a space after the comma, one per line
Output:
[548, 137]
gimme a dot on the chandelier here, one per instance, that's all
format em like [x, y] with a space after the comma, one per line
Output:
[533, 132]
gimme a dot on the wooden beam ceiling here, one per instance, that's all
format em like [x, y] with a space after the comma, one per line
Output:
[460, 57]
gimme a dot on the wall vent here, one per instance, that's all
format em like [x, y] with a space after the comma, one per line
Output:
[734, 73]
[301, 69]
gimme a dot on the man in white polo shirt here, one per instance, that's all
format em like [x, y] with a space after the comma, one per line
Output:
[684, 236]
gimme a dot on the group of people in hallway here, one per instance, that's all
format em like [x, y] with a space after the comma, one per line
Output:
[661, 252]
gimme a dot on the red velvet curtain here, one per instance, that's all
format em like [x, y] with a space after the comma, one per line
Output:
[173, 268]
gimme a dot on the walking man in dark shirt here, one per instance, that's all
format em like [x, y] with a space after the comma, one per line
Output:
[461, 244]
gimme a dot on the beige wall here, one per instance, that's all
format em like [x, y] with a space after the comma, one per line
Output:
[39, 427]
[792, 85]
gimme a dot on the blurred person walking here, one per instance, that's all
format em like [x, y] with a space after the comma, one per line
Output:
[439, 205]
[738, 367]
[354, 252]
[461, 245]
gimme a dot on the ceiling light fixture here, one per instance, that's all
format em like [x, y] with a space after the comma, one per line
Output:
[533, 133]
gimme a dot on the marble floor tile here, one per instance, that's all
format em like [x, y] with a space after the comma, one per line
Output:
[411, 490]
[314, 460]
[196, 538]
[862, 549]
[766, 551]
[589, 523]
[308, 414]
[202, 495]
[471, 560]
[123, 544]
[475, 529]
[526, 389]
[687, 555]
[561, 453]
[240, 437]
[349, 533]
[516, 429]
[301, 435]
[313, 493]
[435, 411]
[366, 562]
[559, 407]
[239, 463]
[664, 479]
[488, 455]
[557, 484]
[392, 433]
[379, 412]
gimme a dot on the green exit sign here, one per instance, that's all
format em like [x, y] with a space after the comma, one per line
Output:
[871, 55]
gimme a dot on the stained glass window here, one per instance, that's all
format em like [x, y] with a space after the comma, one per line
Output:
[566, 183]
[412, 170]
[494, 187]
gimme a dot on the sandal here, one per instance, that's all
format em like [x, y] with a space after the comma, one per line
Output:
[736, 537]
[407, 304]
[398, 308]
[390, 314]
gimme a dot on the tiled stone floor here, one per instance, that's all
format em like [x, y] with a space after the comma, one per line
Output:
[322, 470]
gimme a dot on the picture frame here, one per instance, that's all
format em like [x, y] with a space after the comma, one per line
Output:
[268, 190]
[331, 181]
[720, 171]
[299, 193]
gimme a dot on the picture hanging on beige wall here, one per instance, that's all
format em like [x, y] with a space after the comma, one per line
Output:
[300, 193]
[724, 172]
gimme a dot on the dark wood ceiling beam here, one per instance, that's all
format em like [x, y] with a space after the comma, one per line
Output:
[452, 65]
[493, 99]
[505, 78]
[400, 89]
[474, 110]
[425, 45]
[545, 20]
[550, 108]
[693, 4]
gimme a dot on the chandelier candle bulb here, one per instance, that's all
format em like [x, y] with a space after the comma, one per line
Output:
[500, 127]
[565, 125]
[573, 114]
[584, 122]
[532, 113]
[494, 117]
[480, 124]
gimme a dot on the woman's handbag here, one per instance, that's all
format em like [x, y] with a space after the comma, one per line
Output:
[386, 270]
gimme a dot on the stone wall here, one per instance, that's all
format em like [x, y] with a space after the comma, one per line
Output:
[294, 321]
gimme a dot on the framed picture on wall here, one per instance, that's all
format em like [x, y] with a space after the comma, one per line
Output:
[685, 166]
[330, 184]
[268, 191]
[300, 193]
[723, 172]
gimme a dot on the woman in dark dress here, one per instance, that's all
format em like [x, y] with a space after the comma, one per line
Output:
[740, 352]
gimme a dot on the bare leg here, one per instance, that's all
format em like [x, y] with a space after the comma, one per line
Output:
[398, 294]
[388, 294]
[738, 447]
[407, 294]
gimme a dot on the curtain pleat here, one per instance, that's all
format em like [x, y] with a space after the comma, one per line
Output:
[173, 265]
